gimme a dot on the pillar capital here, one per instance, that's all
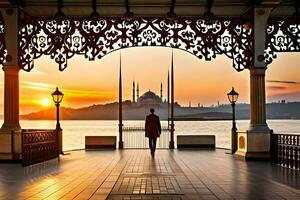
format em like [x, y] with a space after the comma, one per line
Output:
[11, 70]
[258, 71]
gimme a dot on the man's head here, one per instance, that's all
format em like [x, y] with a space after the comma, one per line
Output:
[152, 110]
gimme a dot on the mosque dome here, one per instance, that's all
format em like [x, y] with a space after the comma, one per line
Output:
[149, 95]
[149, 98]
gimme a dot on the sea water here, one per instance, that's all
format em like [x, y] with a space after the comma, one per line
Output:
[74, 131]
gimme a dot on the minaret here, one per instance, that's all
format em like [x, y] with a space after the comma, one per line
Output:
[161, 91]
[133, 91]
[137, 91]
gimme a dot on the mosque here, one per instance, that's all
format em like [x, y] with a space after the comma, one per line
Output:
[148, 99]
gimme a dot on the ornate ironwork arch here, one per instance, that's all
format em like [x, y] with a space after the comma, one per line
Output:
[282, 36]
[62, 38]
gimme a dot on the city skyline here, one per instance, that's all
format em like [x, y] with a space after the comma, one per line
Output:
[149, 66]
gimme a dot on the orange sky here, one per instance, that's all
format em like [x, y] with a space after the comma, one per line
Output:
[85, 83]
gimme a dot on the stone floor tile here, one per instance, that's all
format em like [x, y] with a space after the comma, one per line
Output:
[170, 175]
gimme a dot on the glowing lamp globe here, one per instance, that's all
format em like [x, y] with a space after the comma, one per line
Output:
[233, 96]
[57, 96]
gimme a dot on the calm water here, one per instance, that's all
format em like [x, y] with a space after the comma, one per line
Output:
[74, 131]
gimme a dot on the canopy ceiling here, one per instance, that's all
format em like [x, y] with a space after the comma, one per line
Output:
[152, 8]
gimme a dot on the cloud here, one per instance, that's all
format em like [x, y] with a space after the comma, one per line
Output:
[34, 71]
[37, 86]
[87, 93]
[68, 92]
[279, 81]
[276, 87]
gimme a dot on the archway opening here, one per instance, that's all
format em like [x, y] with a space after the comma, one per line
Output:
[200, 88]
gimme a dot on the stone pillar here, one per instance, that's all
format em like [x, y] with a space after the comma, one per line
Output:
[11, 99]
[254, 144]
[10, 132]
[258, 100]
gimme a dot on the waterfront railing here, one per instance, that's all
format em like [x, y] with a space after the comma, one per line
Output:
[285, 150]
[139, 128]
[39, 145]
[134, 138]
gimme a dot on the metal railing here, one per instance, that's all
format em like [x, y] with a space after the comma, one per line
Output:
[285, 150]
[139, 128]
[134, 138]
[39, 146]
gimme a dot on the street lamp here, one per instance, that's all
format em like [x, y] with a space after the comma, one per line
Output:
[233, 97]
[57, 98]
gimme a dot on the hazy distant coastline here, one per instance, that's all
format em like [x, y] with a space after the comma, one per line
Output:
[282, 110]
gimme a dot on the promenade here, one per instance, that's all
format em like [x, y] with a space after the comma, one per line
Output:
[134, 174]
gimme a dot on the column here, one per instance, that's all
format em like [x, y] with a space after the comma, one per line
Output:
[10, 132]
[11, 99]
[254, 143]
[258, 100]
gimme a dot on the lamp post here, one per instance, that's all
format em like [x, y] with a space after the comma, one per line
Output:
[57, 98]
[233, 97]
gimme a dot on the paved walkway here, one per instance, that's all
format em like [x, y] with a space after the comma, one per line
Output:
[134, 174]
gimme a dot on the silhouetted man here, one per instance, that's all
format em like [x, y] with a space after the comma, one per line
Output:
[152, 130]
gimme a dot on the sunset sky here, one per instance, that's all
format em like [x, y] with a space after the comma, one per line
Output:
[85, 83]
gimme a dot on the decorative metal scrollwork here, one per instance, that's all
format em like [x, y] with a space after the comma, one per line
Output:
[38, 146]
[282, 36]
[62, 38]
[3, 50]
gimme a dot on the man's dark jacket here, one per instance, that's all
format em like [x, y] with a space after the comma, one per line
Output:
[152, 126]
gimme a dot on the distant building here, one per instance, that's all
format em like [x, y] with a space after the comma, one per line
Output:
[149, 98]
[137, 91]
[133, 91]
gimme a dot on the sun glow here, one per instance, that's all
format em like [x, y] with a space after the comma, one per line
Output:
[45, 102]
